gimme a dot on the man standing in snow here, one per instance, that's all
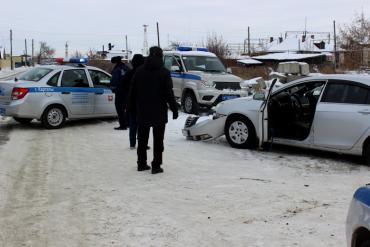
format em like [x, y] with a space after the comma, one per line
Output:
[150, 95]
[120, 100]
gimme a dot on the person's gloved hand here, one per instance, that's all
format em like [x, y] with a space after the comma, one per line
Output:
[175, 115]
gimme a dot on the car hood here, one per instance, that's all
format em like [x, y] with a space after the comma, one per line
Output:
[222, 77]
[238, 105]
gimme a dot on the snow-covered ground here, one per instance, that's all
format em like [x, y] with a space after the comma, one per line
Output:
[78, 186]
[7, 73]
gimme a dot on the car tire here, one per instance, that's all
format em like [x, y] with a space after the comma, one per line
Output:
[54, 117]
[365, 244]
[23, 120]
[366, 153]
[190, 104]
[240, 132]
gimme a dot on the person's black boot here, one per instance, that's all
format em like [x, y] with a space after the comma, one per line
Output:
[143, 168]
[156, 170]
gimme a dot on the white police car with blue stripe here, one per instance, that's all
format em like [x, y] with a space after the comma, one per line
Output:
[54, 93]
[200, 79]
[358, 219]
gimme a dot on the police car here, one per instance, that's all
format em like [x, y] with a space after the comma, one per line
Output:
[53, 93]
[358, 219]
[200, 79]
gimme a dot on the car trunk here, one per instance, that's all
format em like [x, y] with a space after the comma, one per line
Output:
[6, 88]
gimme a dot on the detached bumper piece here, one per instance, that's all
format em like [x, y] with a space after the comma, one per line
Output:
[204, 130]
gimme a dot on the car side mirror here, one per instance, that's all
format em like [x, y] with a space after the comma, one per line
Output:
[229, 70]
[259, 96]
[175, 68]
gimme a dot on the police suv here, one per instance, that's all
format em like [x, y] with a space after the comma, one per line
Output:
[358, 219]
[200, 79]
[53, 93]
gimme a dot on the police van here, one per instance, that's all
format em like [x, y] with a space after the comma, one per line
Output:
[54, 93]
[200, 79]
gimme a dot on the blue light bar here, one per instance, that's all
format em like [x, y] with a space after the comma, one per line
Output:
[188, 48]
[79, 60]
[184, 48]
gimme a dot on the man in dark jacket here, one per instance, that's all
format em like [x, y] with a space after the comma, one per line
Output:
[150, 95]
[120, 92]
[136, 62]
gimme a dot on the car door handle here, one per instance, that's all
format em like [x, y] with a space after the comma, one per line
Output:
[66, 92]
[98, 92]
[364, 112]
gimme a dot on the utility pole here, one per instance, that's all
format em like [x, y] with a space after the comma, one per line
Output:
[249, 42]
[33, 50]
[335, 46]
[25, 48]
[145, 46]
[11, 50]
[158, 35]
[126, 48]
[66, 51]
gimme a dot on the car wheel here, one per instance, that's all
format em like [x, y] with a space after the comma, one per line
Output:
[23, 120]
[54, 117]
[240, 132]
[190, 104]
[365, 244]
[366, 154]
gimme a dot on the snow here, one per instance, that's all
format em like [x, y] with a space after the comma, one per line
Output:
[7, 72]
[294, 43]
[286, 56]
[249, 61]
[78, 186]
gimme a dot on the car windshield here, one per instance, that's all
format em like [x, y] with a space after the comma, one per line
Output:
[202, 63]
[35, 74]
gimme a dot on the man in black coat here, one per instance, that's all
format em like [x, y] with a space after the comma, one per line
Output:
[120, 92]
[150, 95]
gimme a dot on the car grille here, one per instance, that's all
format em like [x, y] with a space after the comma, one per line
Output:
[220, 85]
[190, 121]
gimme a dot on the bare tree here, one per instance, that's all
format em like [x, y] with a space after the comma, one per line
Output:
[354, 37]
[356, 34]
[217, 45]
[93, 54]
[77, 54]
[46, 52]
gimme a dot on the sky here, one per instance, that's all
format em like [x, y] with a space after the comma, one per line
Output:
[90, 24]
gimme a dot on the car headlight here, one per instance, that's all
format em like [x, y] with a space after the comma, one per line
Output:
[217, 115]
[208, 84]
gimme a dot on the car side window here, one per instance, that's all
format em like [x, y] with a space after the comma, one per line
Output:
[168, 62]
[345, 93]
[74, 78]
[99, 79]
[53, 81]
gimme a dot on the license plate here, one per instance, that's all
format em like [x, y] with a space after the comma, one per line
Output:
[2, 111]
[227, 97]
[186, 132]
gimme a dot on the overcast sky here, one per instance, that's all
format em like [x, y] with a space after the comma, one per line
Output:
[89, 24]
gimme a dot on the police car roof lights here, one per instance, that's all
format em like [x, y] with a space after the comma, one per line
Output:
[189, 48]
[79, 60]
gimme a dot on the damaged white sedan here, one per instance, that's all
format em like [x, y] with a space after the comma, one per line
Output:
[329, 112]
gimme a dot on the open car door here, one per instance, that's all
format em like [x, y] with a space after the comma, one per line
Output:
[263, 117]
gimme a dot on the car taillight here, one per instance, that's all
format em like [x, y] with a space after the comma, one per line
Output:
[19, 93]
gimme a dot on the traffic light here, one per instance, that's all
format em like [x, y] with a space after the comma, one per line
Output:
[110, 46]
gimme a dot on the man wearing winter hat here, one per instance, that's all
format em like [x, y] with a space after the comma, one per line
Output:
[120, 93]
[150, 95]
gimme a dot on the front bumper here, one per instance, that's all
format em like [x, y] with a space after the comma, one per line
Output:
[207, 129]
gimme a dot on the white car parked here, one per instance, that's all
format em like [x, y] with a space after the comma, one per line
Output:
[56, 92]
[358, 219]
[329, 112]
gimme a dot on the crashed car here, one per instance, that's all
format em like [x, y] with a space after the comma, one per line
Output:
[358, 219]
[326, 112]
